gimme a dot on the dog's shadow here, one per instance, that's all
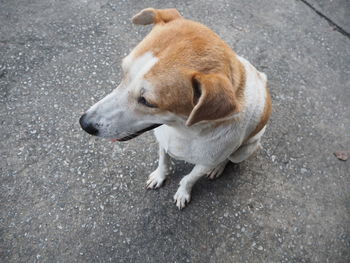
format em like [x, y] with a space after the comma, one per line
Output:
[229, 180]
[216, 206]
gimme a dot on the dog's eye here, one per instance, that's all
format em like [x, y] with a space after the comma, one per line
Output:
[143, 101]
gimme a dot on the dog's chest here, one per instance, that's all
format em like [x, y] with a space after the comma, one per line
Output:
[204, 150]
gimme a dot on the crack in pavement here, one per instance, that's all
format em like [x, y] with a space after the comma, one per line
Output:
[330, 21]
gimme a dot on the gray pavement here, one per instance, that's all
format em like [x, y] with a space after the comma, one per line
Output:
[68, 197]
[337, 11]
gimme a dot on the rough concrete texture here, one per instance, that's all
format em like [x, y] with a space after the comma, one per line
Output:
[68, 197]
[338, 11]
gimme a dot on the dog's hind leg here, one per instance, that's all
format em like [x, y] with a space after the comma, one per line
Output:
[158, 176]
[217, 171]
[183, 193]
[247, 149]
[244, 152]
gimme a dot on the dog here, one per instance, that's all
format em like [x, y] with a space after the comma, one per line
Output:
[206, 104]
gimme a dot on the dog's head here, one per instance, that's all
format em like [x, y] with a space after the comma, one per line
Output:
[181, 72]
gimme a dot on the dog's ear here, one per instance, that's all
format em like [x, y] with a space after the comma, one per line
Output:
[213, 98]
[154, 16]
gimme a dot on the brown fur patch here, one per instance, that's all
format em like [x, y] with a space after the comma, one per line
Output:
[185, 48]
[217, 101]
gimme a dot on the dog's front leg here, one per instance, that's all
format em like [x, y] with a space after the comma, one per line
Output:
[183, 194]
[158, 176]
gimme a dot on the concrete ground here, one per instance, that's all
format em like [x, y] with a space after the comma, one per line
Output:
[68, 197]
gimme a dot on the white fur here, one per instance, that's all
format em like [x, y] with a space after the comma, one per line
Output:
[137, 68]
[217, 171]
[159, 175]
[115, 114]
[183, 193]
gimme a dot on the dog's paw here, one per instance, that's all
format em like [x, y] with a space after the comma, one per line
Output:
[182, 198]
[217, 171]
[155, 180]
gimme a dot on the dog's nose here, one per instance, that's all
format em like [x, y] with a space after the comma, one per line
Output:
[88, 127]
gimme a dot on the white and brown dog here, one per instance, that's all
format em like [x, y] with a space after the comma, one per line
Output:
[208, 105]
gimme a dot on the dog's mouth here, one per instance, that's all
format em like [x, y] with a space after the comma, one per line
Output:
[134, 135]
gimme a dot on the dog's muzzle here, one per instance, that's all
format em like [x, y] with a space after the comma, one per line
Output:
[92, 129]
